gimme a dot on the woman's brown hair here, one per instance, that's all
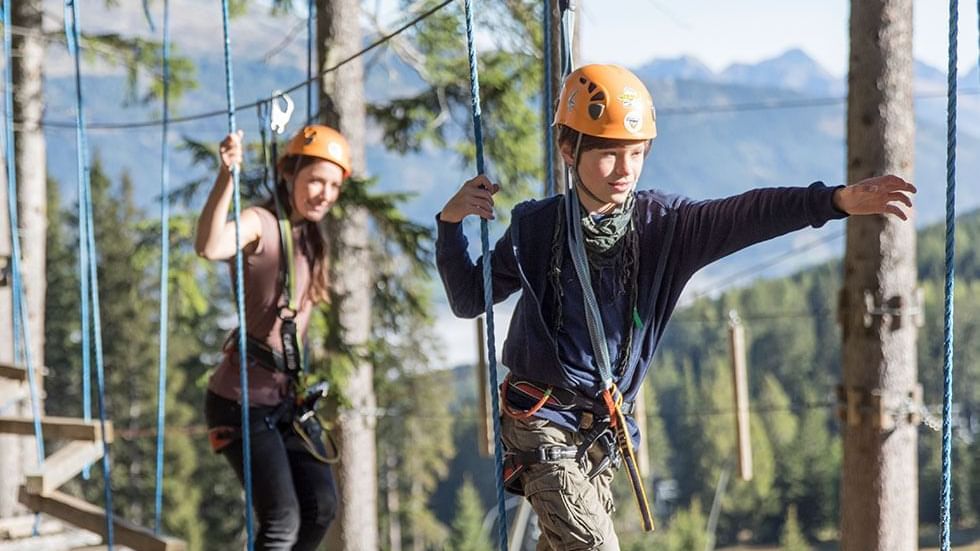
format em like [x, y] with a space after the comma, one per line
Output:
[318, 246]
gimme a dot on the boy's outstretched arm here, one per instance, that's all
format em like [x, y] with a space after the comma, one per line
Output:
[710, 230]
[461, 277]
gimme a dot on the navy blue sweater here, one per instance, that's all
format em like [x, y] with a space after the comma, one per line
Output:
[677, 237]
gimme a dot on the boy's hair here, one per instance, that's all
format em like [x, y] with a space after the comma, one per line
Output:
[569, 136]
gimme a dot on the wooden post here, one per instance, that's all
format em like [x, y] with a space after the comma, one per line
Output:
[555, 182]
[879, 467]
[640, 416]
[740, 386]
[483, 424]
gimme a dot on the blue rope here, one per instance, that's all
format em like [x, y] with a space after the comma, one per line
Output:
[310, 11]
[164, 269]
[950, 274]
[549, 101]
[86, 220]
[487, 280]
[22, 333]
[239, 286]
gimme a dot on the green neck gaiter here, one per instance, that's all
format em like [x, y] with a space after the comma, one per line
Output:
[601, 235]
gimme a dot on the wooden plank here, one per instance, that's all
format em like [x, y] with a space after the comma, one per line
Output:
[740, 387]
[8, 371]
[68, 428]
[92, 518]
[62, 466]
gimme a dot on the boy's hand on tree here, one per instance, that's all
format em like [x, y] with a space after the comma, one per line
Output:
[475, 197]
[877, 195]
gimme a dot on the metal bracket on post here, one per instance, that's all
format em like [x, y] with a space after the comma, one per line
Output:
[884, 409]
[892, 310]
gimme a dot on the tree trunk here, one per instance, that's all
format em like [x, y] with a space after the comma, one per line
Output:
[342, 107]
[879, 483]
[28, 60]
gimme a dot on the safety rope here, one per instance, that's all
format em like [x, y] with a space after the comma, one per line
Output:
[88, 260]
[950, 276]
[498, 453]
[549, 103]
[239, 286]
[310, 14]
[164, 269]
[22, 334]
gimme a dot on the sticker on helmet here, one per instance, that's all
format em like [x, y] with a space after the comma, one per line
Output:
[629, 97]
[335, 151]
[571, 100]
[633, 122]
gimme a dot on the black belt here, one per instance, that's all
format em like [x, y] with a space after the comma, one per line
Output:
[265, 357]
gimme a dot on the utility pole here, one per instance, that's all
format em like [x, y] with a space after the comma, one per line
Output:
[878, 303]
[555, 182]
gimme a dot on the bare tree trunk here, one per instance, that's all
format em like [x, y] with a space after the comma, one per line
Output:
[342, 107]
[393, 504]
[879, 483]
[9, 445]
[27, 68]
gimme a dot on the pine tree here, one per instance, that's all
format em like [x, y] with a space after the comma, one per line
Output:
[687, 530]
[792, 538]
[468, 524]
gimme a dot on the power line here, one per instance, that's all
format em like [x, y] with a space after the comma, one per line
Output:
[221, 112]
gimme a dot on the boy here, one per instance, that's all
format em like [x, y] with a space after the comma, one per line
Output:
[600, 270]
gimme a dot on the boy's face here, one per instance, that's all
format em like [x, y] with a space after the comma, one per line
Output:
[610, 174]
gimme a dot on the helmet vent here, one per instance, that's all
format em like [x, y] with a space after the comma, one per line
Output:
[591, 87]
[595, 110]
[599, 97]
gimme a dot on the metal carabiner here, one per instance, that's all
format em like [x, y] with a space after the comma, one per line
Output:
[280, 115]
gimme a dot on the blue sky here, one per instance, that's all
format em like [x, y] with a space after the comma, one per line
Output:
[720, 32]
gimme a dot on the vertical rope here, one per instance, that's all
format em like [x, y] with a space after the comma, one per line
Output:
[164, 269]
[239, 286]
[88, 259]
[310, 33]
[950, 275]
[83, 251]
[22, 333]
[550, 186]
[487, 279]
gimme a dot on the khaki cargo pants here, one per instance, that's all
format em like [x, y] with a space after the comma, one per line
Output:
[574, 513]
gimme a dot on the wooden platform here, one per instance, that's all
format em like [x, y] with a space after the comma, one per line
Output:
[67, 428]
[92, 518]
[39, 492]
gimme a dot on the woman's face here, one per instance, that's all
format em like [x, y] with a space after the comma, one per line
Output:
[316, 188]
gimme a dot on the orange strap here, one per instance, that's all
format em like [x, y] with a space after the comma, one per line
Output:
[614, 405]
[517, 414]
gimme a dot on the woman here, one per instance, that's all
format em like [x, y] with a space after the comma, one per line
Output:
[293, 489]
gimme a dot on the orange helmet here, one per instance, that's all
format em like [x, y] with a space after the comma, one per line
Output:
[607, 101]
[321, 142]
